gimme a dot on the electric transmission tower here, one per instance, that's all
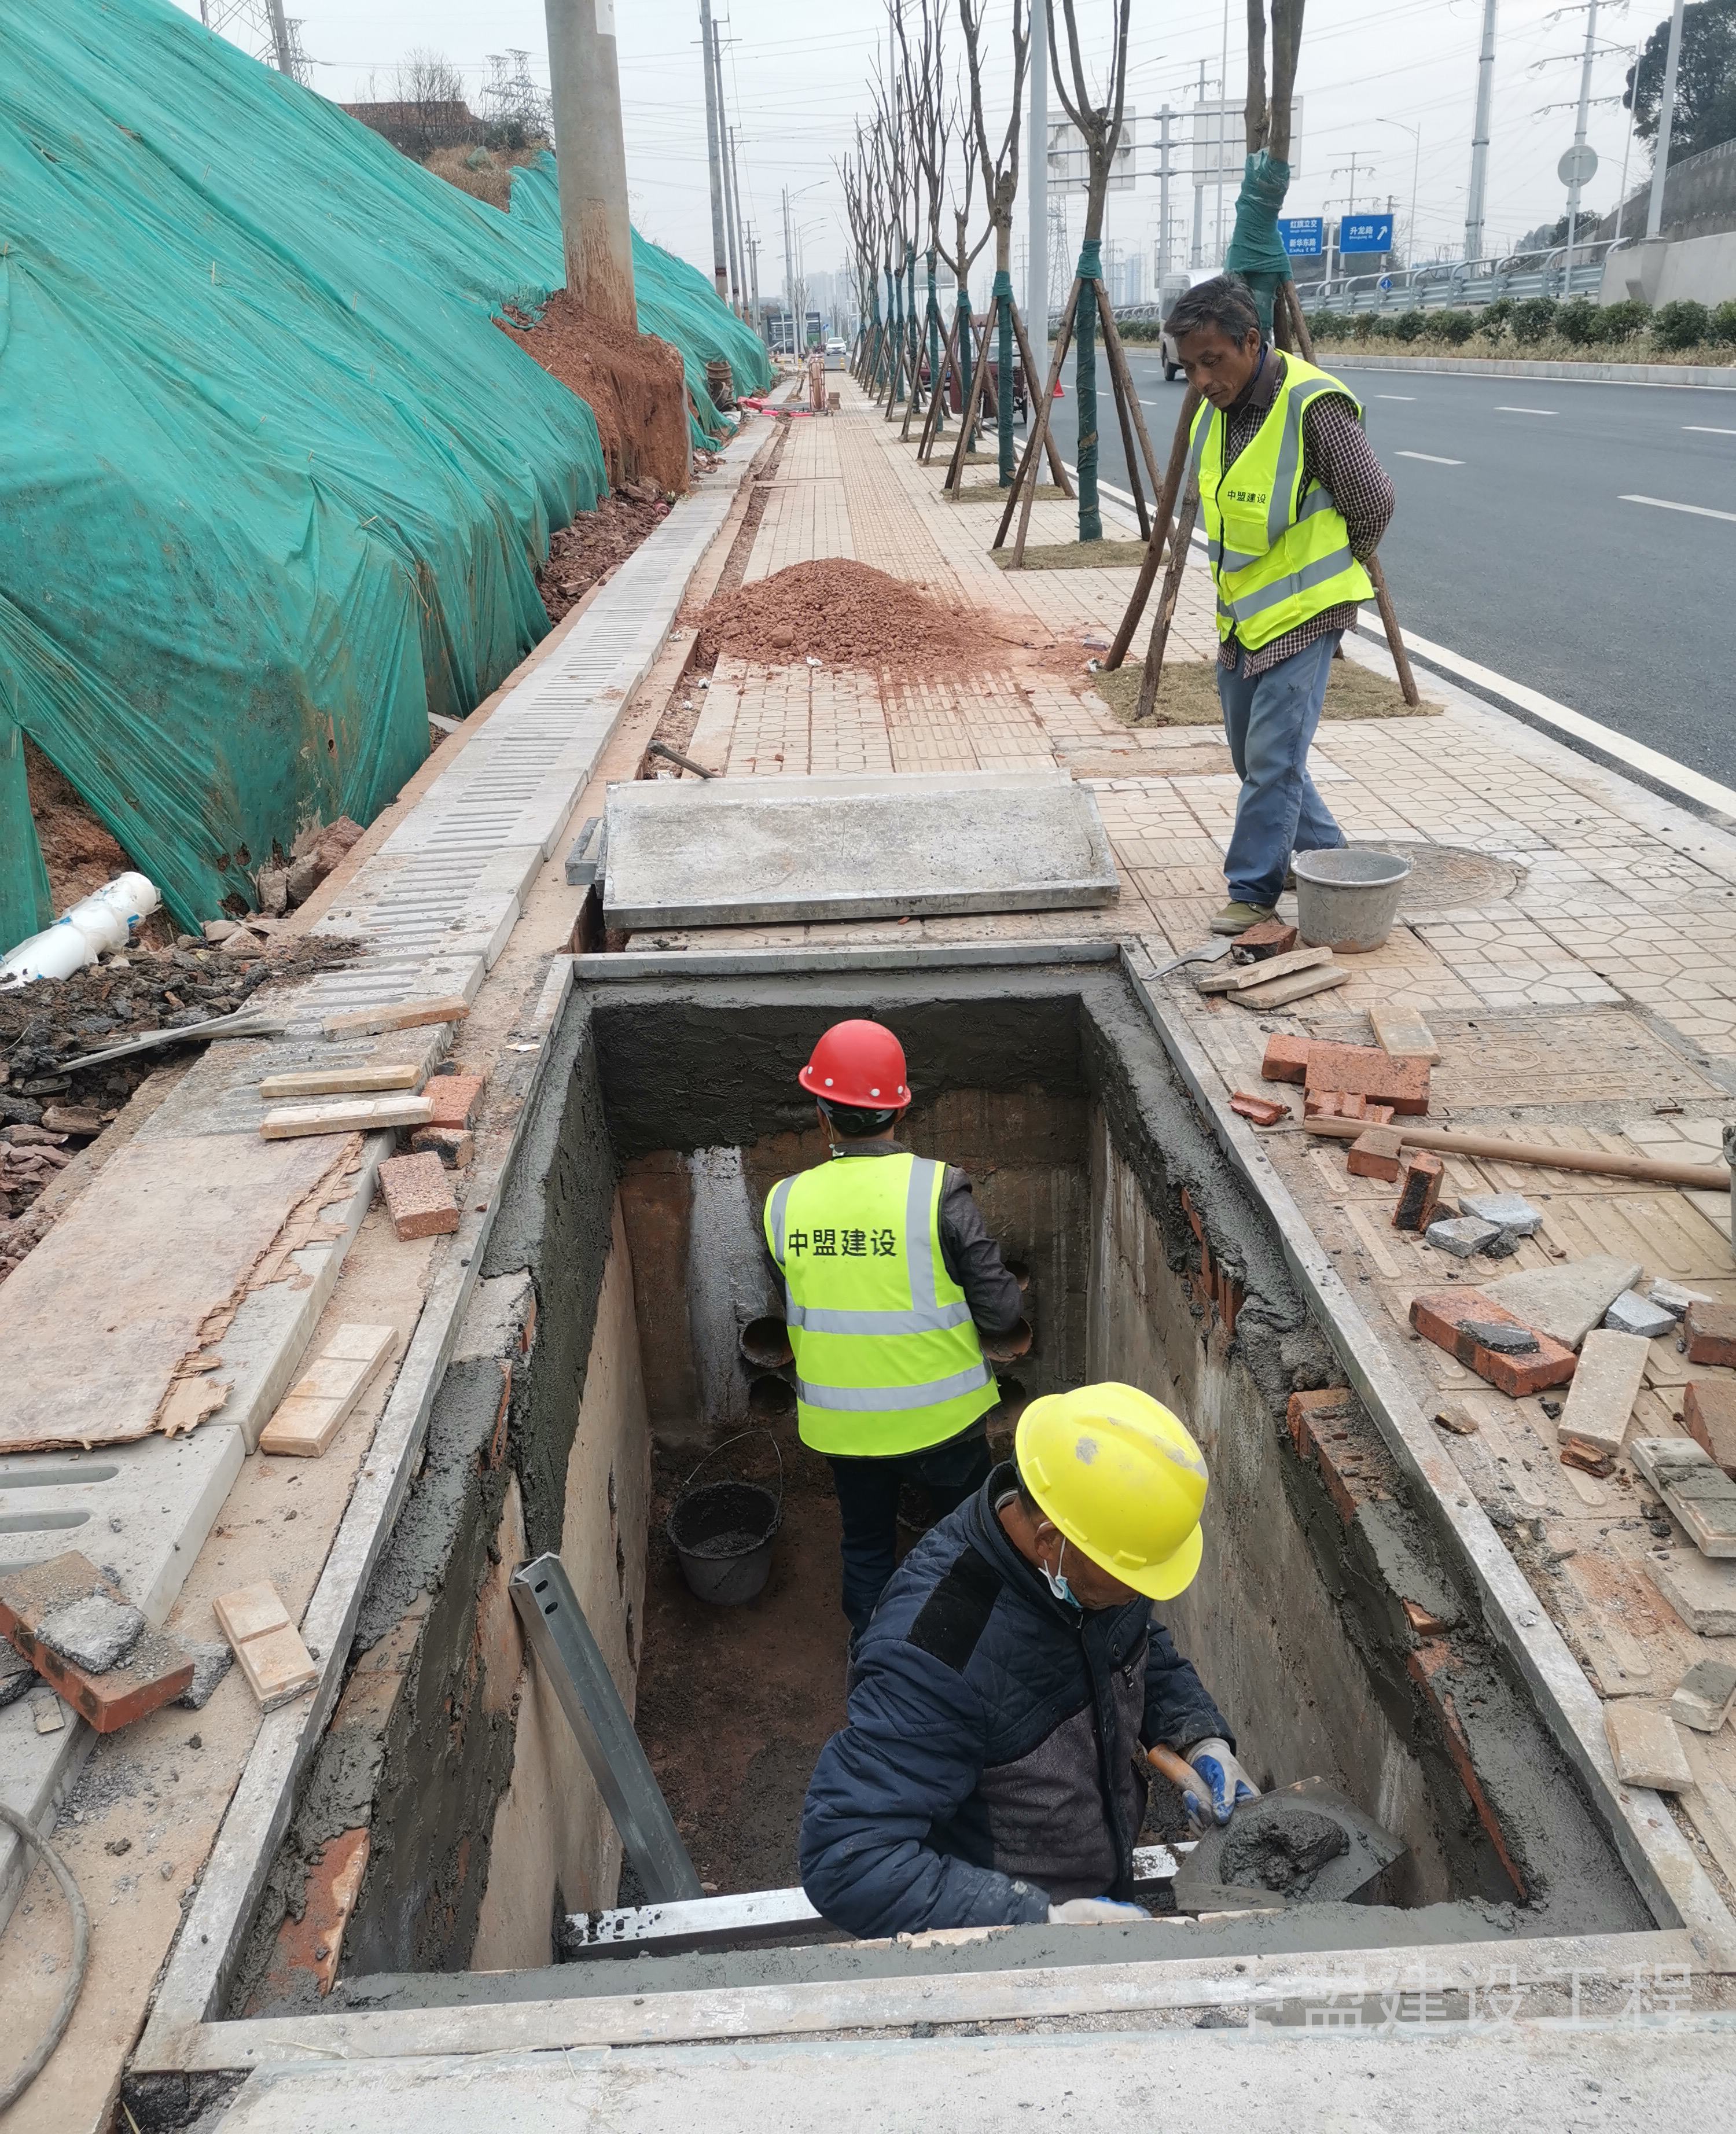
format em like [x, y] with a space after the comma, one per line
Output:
[260, 27]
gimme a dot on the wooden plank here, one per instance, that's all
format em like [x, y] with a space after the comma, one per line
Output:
[1274, 968]
[1296, 987]
[267, 1645]
[322, 1399]
[343, 1081]
[157, 1670]
[407, 1015]
[1403, 1032]
[351, 1115]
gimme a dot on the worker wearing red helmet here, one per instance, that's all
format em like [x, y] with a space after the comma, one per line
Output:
[888, 1274]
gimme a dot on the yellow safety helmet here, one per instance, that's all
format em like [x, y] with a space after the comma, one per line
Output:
[1117, 1474]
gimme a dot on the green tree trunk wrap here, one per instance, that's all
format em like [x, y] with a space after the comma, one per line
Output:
[1003, 372]
[1085, 388]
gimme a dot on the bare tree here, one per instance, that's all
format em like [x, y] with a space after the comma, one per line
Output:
[431, 112]
[922, 73]
[999, 163]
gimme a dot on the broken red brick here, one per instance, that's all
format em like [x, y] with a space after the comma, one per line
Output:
[1425, 1624]
[1365, 1070]
[1445, 1318]
[1709, 1409]
[158, 1670]
[309, 1947]
[1377, 1115]
[418, 1197]
[1323, 1428]
[1287, 1059]
[1430, 1667]
[454, 1097]
[1419, 1191]
[496, 1450]
[1590, 1459]
[455, 1145]
[1332, 1400]
[1332, 1104]
[1270, 937]
[1711, 1332]
[1263, 1111]
[1379, 1153]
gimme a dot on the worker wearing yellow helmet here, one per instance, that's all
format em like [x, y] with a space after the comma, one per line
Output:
[1008, 1693]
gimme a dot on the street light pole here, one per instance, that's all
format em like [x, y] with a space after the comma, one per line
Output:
[713, 163]
[1665, 120]
[1480, 137]
[1416, 165]
[1036, 188]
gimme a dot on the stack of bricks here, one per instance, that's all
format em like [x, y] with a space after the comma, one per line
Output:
[447, 1134]
[1215, 1288]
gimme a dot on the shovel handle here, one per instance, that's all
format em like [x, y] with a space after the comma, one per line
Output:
[1179, 1772]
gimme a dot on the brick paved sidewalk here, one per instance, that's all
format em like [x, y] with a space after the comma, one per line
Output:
[1570, 938]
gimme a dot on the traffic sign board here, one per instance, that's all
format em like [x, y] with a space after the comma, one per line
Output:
[1365, 233]
[1300, 235]
[1579, 166]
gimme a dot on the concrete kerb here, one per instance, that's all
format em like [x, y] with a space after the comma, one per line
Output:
[1653, 1848]
[199, 1970]
[1705, 377]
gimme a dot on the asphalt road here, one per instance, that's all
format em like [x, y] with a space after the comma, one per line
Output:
[1515, 544]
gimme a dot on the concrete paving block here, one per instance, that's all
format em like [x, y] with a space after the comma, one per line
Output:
[1701, 1592]
[1600, 1400]
[1694, 1486]
[749, 851]
[1565, 1303]
[95, 1632]
[1507, 1211]
[1632, 1313]
[1674, 1298]
[1647, 1748]
[1461, 1235]
[1704, 1695]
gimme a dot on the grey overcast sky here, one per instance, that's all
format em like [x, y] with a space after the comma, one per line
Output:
[795, 83]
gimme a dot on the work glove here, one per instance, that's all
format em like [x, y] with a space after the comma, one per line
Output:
[1225, 1784]
[1095, 1912]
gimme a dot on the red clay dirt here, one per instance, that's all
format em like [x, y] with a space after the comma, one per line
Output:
[79, 852]
[594, 544]
[847, 614]
[633, 384]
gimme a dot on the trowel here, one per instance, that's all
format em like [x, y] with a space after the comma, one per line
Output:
[1306, 1843]
[1208, 952]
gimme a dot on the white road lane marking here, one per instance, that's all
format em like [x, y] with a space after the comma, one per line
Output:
[1664, 504]
[1526, 411]
[1433, 459]
[1708, 430]
[1394, 396]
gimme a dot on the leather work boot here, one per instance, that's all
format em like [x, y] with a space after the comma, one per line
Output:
[1238, 918]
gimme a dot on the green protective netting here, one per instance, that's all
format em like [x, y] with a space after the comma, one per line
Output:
[272, 484]
[1256, 251]
[676, 302]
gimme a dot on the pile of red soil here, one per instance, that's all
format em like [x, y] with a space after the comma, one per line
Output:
[633, 384]
[847, 616]
[595, 542]
[79, 852]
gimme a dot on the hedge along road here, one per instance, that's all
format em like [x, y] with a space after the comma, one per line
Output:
[1517, 543]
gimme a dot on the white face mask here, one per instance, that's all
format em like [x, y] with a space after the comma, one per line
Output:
[1057, 1580]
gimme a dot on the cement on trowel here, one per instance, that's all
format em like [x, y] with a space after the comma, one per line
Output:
[1564, 1302]
[747, 851]
[1306, 1843]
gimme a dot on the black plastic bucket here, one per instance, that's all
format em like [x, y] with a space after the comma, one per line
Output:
[721, 1532]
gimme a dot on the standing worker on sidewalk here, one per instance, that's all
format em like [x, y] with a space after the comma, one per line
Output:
[888, 1273]
[1295, 502]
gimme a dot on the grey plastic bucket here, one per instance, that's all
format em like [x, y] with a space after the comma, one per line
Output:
[1348, 898]
[721, 1532]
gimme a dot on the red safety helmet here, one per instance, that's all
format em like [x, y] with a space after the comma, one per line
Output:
[858, 1062]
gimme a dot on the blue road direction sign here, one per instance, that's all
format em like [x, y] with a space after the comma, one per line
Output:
[1365, 233]
[1301, 235]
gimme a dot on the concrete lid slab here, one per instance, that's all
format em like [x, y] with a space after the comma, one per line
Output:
[1565, 1303]
[747, 851]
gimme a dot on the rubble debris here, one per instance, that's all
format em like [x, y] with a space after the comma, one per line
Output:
[17, 1674]
[1459, 1322]
[1673, 1298]
[456, 1147]
[1647, 1748]
[418, 1195]
[846, 615]
[210, 1663]
[1507, 1211]
[1590, 1459]
[1379, 1153]
[276, 1663]
[1630, 1313]
[1272, 937]
[1364, 1070]
[47, 1711]
[1702, 1592]
[1461, 1235]
[1504, 1339]
[1709, 1413]
[1298, 985]
[1341, 1104]
[1263, 1110]
[1711, 1333]
[1456, 1417]
[1704, 1695]
[1566, 1301]
[1694, 1489]
[95, 1632]
[154, 1670]
[1420, 1189]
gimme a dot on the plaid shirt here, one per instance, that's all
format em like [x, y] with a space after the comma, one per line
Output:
[1336, 455]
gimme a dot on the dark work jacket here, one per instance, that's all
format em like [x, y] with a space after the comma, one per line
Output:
[993, 1759]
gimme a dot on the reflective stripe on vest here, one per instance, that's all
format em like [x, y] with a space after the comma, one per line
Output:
[1303, 564]
[903, 1370]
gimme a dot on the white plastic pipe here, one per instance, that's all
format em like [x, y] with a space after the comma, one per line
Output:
[94, 925]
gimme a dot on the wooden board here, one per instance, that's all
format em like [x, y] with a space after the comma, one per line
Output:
[321, 1400]
[1297, 986]
[347, 1115]
[407, 1015]
[343, 1081]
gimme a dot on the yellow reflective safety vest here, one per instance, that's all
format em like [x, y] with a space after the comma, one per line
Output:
[886, 1356]
[1279, 556]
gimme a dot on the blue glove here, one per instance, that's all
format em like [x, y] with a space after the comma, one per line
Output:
[1095, 1912]
[1227, 1783]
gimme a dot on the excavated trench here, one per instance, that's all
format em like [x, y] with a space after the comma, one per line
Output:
[605, 1357]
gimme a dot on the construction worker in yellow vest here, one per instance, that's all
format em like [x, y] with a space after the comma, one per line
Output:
[1295, 503]
[888, 1273]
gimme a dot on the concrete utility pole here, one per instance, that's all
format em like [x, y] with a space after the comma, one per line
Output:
[1574, 182]
[591, 157]
[789, 273]
[1665, 120]
[738, 227]
[1163, 118]
[1223, 128]
[1196, 255]
[280, 38]
[730, 209]
[1037, 189]
[713, 163]
[753, 278]
[1480, 135]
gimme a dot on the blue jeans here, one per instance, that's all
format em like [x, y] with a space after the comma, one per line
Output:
[1268, 722]
[867, 1505]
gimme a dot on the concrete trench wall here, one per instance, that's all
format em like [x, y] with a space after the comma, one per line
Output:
[1091, 1164]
